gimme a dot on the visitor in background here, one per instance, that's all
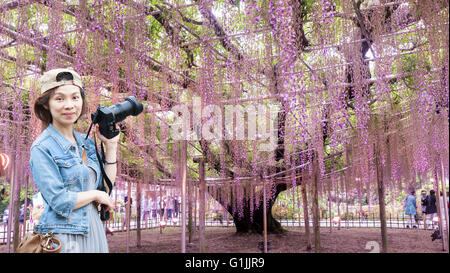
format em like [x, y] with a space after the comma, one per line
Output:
[163, 203]
[423, 203]
[154, 210]
[176, 207]
[431, 210]
[170, 207]
[125, 209]
[146, 208]
[218, 212]
[21, 217]
[410, 209]
[158, 208]
[5, 216]
[178, 204]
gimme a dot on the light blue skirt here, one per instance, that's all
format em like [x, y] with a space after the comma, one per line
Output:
[95, 241]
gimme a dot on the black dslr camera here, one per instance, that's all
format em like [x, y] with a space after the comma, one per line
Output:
[107, 117]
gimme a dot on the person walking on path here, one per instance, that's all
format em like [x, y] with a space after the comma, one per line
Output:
[431, 209]
[176, 207]
[146, 209]
[5, 217]
[410, 209]
[154, 210]
[170, 206]
[423, 203]
[65, 167]
[126, 212]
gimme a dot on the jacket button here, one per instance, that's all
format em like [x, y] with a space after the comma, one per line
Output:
[84, 213]
[85, 232]
[85, 180]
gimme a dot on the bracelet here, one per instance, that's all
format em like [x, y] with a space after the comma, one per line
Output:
[110, 163]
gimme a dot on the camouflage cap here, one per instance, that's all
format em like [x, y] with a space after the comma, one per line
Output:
[48, 80]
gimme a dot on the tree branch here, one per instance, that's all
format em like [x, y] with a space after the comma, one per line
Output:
[218, 30]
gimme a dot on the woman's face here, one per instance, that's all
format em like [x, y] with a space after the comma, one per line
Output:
[65, 105]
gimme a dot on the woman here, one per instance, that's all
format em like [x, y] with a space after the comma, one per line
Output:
[65, 167]
[423, 202]
[431, 209]
[410, 208]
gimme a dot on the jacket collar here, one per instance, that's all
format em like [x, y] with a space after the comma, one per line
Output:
[62, 141]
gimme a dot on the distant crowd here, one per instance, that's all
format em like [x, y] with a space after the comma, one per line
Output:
[428, 210]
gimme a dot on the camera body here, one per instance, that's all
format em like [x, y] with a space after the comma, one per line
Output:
[107, 117]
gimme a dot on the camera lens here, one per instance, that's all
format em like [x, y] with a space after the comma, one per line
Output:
[137, 106]
[129, 107]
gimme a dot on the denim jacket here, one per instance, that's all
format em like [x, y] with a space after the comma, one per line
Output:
[59, 173]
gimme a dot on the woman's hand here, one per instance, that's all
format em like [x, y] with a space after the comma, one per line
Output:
[107, 141]
[103, 198]
[110, 156]
[110, 145]
[86, 197]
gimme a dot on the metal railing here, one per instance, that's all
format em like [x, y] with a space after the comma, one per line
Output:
[118, 223]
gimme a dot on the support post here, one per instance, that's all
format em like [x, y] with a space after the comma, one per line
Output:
[306, 214]
[381, 195]
[138, 213]
[444, 194]
[316, 212]
[201, 172]
[11, 200]
[16, 214]
[438, 206]
[190, 220]
[128, 215]
[265, 215]
[182, 178]
[25, 214]
[329, 209]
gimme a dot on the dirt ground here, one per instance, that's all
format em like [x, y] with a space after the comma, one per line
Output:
[225, 240]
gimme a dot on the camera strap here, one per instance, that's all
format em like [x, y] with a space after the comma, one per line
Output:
[101, 160]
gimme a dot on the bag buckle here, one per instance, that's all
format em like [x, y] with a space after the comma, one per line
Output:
[48, 236]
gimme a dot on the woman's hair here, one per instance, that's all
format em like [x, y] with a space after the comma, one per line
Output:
[432, 192]
[41, 106]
